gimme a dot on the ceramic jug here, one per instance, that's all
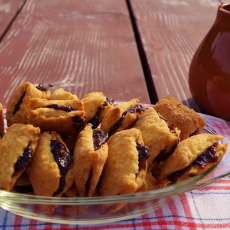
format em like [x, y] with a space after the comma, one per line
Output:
[209, 73]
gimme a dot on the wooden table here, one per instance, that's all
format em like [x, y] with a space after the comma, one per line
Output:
[125, 49]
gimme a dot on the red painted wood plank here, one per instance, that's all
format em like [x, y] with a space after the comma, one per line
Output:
[171, 32]
[8, 9]
[82, 46]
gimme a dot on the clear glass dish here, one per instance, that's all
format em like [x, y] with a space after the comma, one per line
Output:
[97, 210]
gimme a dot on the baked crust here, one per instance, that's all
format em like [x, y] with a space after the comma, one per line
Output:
[113, 116]
[61, 94]
[18, 113]
[156, 135]
[121, 174]
[12, 146]
[1, 121]
[66, 123]
[150, 183]
[92, 103]
[43, 170]
[88, 162]
[186, 153]
[185, 119]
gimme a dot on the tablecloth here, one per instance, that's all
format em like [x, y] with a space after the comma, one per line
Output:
[204, 208]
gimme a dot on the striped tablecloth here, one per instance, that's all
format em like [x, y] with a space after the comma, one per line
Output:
[204, 208]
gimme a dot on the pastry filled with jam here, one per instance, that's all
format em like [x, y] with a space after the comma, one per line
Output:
[96, 106]
[90, 155]
[122, 116]
[65, 117]
[191, 157]
[158, 136]
[186, 120]
[17, 107]
[126, 167]
[50, 170]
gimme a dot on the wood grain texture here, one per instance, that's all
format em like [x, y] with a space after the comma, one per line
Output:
[82, 46]
[8, 9]
[171, 31]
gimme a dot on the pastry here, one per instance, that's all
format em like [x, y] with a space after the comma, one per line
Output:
[186, 120]
[65, 117]
[150, 183]
[17, 148]
[61, 94]
[90, 154]
[121, 116]
[192, 156]
[1, 121]
[160, 138]
[125, 169]
[50, 170]
[17, 107]
[96, 106]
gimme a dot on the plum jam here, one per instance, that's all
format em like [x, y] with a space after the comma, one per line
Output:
[61, 107]
[163, 155]
[17, 106]
[171, 126]
[23, 161]
[41, 87]
[63, 158]
[24, 188]
[135, 109]
[195, 132]
[95, 120]
[79, 123]
[209, 156]
[143, 154]
[99, 138]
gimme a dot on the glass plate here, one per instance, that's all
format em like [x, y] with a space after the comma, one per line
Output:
[97, 210]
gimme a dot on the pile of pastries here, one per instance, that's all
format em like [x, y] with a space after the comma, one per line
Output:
[57, 145]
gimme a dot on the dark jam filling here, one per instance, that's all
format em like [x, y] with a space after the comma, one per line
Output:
[143, 154]
[61, 107]
[41, 87]
[17, 106]
[63, 158]
[23, 188]
[163, 155]
[135, 109]
[195, 132]
[87, 185]
[209, 156]
[99, 138]
[23, 161]
[95, 120]
[170, 126]
[79, 123]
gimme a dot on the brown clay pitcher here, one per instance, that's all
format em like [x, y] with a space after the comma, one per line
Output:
[209, 74]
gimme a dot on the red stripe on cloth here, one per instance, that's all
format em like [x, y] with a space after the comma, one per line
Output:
[32, 225]
[146, 222]
[160, 221]
[173, 209]
[215, 187]
[186, 207]
[17, 222]
[48, 226]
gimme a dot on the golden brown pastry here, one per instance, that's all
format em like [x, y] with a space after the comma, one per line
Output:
[50, 171]
[125, 169]
[90, 154]
[160, 138]
[96, 106]
[1, 121]
[186, 120]
[61, 94]
[121, 116]
[16, 151]
[192, 156]
[65, 117]
[17, 107]
[149, 184]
